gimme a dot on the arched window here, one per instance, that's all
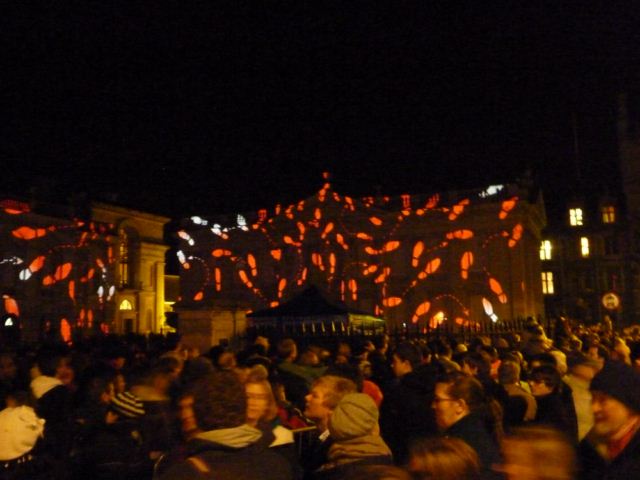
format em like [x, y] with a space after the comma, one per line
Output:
[126, 305]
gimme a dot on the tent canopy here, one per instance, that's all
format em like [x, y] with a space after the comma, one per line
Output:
[309, 305]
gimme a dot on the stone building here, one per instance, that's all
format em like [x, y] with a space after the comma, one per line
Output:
[465, 257]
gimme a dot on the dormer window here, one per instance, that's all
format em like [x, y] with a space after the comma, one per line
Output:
[608, 214]
[575, 217]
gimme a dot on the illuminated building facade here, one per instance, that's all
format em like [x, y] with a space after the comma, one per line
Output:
[462, 257]
[62, 274]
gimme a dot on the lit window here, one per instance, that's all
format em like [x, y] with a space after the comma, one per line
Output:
[545, 250]
[126, 305]
[608, 214]
[547, 283]
[575, 217]
[584, 246]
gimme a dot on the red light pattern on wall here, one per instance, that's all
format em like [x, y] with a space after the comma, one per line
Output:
[48, 270]
[407, 259]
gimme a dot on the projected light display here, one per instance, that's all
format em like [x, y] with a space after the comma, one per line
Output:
[55, 273]
[424, 260]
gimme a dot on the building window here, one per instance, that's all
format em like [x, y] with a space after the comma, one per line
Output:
[584, 246]
[545, 250]
[126, 305]
[547, 283]
[608, 214]
[575, 217]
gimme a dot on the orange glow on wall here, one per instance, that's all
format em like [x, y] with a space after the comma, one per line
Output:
[507, 206]
[376, 221]
[462, 234]
[497, 289]
[282, 284]
[220, 252]
[11, 306]
[430, 269]
[251, 260]
[370, 269]
[390, 302]
[421, 310]
[516, 235]
[276, 254]
[390, 246]
[465, 263]
[364, 236]
[65, 330]
[62, 271]
[218, 279]
[418, 248]
[28, 233]
[457, 209]
[72, 290]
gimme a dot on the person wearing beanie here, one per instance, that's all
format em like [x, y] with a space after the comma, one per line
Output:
[356, 438]
[611, 450]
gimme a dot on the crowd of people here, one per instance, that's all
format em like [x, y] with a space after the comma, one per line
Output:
[519, 406]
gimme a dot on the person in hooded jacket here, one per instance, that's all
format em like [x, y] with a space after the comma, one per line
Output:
[224, 446]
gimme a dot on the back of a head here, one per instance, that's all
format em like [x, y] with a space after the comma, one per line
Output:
[508, 373]
[286, 348]
[336, 387]
[443, 459]
[409, 352]
[219, 401]
[546, 374]
[356, 415]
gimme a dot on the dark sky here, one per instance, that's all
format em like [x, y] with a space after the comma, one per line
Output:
[222, 106]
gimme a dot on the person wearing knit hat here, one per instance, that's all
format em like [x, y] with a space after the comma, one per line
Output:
[357, 442]
[612, 447]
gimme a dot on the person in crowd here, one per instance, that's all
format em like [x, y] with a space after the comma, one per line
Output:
[53, 403]
[537, 453]
[152, 385]
[20, 431]
[10, 381]
[403, 415]
[620, 351]
[225, 447]
[115, 448]
[611, 450]
[443, 459]
[478, 365]
[297, 379]
[353, 426]
[326, 392]
[464, 411]
[509, 378]
[262, 413]
[582, 369]
[552, 410]
[598, 352]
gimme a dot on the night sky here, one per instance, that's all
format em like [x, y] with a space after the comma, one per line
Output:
[216, 107]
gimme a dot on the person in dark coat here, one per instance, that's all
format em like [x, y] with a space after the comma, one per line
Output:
[611, 450]
[54, 405]
[225, 447]
[464, 411]
[404, 413]
[552, 409]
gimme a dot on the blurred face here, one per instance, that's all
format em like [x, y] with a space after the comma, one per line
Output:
[609, 415]
[315, 407]
[187, 417]
[7, 368]
[65, 372]
[400, 367]
[258, 398]
[119, 384]
[448, 410]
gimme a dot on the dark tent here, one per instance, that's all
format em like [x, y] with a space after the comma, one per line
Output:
[312, 308]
